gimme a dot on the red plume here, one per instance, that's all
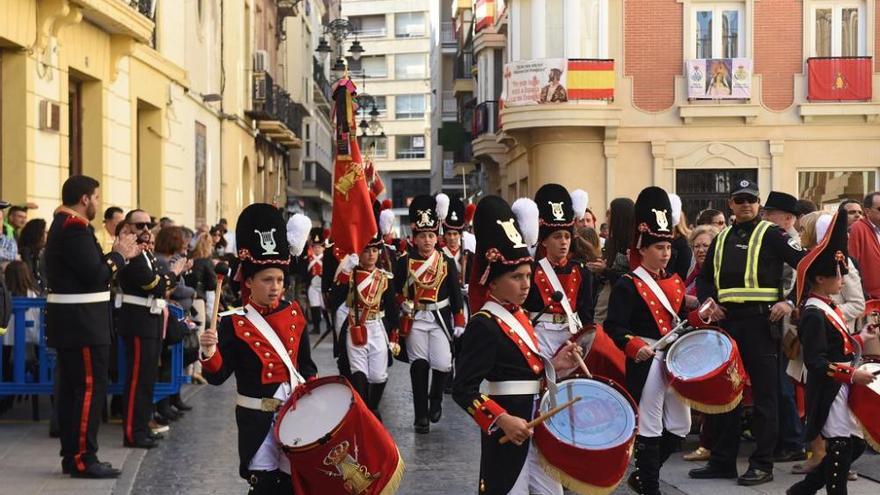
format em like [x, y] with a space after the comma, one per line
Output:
[469, 211]
[386, 204]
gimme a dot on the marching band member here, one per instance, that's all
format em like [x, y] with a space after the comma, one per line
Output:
[371, 327]
[427, 283]
[500, 346]
[830, 354]
[645, 305]
[555, 271]
[454, 240]
[314, 270]
[265, 345]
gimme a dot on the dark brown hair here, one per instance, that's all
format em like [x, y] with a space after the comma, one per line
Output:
[170, 241]
[19, 278]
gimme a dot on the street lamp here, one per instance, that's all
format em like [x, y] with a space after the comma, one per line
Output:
[323, 46]
[356, 50]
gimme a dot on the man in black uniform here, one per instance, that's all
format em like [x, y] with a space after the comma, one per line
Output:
[141, 303]
[743, 273]
[78, 322]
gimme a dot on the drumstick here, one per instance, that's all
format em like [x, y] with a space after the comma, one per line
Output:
[220, 269]
[583, 365]
[544, 417]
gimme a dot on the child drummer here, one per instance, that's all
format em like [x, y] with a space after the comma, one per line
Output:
[372, 326]
[645, 305]
[829, 355]
[265, 345]
[500, 346]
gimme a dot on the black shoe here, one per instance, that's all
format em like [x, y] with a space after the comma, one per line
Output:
[145, 443]
[710, 472]
[97, 470]
[790, 456]
[436, 411]
[67, 467]
[180, 405]
[438, 383]
[422, 426]
[162, 420]
[156, 436]
[754, 477]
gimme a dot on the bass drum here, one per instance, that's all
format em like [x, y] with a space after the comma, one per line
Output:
[864, 402]
[707, 371]
[588, 446]
[334, 443]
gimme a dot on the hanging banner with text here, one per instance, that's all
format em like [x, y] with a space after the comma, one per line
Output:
[719, 79]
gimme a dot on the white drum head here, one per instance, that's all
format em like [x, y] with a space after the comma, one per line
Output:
[872, 368]
[602, 419]
[316, 414]
[698, 353]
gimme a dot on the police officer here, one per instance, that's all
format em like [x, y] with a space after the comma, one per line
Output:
[742, 282]
[428, 284]
[141, 304]
[78, 322]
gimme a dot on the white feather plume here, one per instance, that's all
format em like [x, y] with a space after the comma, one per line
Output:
[468, 242]
[580, 199]
[442, 207]
[386, 222]
[298, 227]
[675, 201]
[526, 212]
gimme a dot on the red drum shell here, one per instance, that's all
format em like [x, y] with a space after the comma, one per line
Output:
[586, 471]
[357, 456]
[864, 402]
[717, 391]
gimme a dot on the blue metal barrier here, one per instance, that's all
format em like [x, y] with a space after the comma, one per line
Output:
[41, 384]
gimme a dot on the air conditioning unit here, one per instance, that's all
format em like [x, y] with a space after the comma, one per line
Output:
[261, 87]
[261, 60]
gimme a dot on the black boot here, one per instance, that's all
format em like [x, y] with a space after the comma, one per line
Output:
[163, 407]
[438, 385]
[376, 390]
[418, 373]
[316, 314]
[840, 455]
[178, 403]
[359, 382]
[645, 478]
[669, 444]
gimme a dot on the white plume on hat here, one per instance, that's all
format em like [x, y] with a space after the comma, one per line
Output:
[675, 201]
[298, 227]
[442, 208]
[526, 212]
[386, 222]
[468, 242]
[580, 199]
[823, 223]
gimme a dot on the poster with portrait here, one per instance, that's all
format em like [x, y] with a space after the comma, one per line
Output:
[719, 79]
[534, 82]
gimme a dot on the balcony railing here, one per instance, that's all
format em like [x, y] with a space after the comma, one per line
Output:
[464, 65]
[316, 176]
[147, 8]
[372, 33]
[272, 103]
[839, 78]
[449, 105]
[463, 154]
[447, 34]
[322, 85]
[485, 118]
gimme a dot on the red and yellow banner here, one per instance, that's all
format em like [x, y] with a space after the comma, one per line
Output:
[484, 14]
[839, 78]
[590, 79]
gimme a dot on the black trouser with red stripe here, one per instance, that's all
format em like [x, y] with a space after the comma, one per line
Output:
[82, 392]
[141, 372]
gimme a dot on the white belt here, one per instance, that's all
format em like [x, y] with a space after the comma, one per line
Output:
[136, 300]
[556, 318]
[267, 404]
[514, 387]
[92, 297]
[432, 306]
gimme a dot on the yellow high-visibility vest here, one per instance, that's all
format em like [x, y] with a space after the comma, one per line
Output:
[750, 290]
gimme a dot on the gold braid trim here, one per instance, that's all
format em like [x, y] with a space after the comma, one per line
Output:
[710, 408]
[574, 484]
[394, 482]
[873, 442]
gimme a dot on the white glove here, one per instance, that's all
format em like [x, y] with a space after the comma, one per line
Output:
[468, 242]
[350, 263]
[458, 331]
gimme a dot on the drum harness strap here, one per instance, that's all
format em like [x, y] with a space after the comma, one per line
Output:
[574, 321]
[504, 315]
[646, 277]
[260, 323]
[840, 325]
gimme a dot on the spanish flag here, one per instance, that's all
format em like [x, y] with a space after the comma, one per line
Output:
[590, 79]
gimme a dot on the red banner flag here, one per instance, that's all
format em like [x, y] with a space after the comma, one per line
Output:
[839, 78]
[353, 222]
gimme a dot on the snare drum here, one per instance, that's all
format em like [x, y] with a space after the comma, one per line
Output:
[864, 402]
[588, 446]
[706, 370]
[334, 443]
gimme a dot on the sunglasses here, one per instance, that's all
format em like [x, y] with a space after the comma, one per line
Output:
[741, 200]
[143, 225]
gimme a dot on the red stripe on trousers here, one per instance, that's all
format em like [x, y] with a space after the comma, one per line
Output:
[135, 372]
[87, 405]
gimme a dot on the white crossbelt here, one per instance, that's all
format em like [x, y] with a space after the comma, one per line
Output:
[91, 297]
[573, 320]
[655, 288]
[514, 387]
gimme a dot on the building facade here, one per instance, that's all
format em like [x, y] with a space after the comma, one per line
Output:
[685, 94]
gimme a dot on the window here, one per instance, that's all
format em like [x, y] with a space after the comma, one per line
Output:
[829, 189]
[410, 147]
[380, 144]
[369, 26]
[369, 66]
[591, 41]
[555, 29]
[718, 31]
[409, 106]
[838, 29]
[409, 24]
[409, 66]
[404, 189]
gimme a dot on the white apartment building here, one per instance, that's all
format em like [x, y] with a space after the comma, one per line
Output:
[396, 71]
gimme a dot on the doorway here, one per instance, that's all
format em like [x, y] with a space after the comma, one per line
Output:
[708, 188]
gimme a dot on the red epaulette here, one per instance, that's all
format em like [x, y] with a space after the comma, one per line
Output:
[75, 221]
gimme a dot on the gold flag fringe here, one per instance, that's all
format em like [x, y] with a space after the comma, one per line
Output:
[394, 483]
[709, 408]
[574, 484]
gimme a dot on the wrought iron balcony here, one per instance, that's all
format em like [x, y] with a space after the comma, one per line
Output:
[322, 92]
[277, 116]
[486, 119]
